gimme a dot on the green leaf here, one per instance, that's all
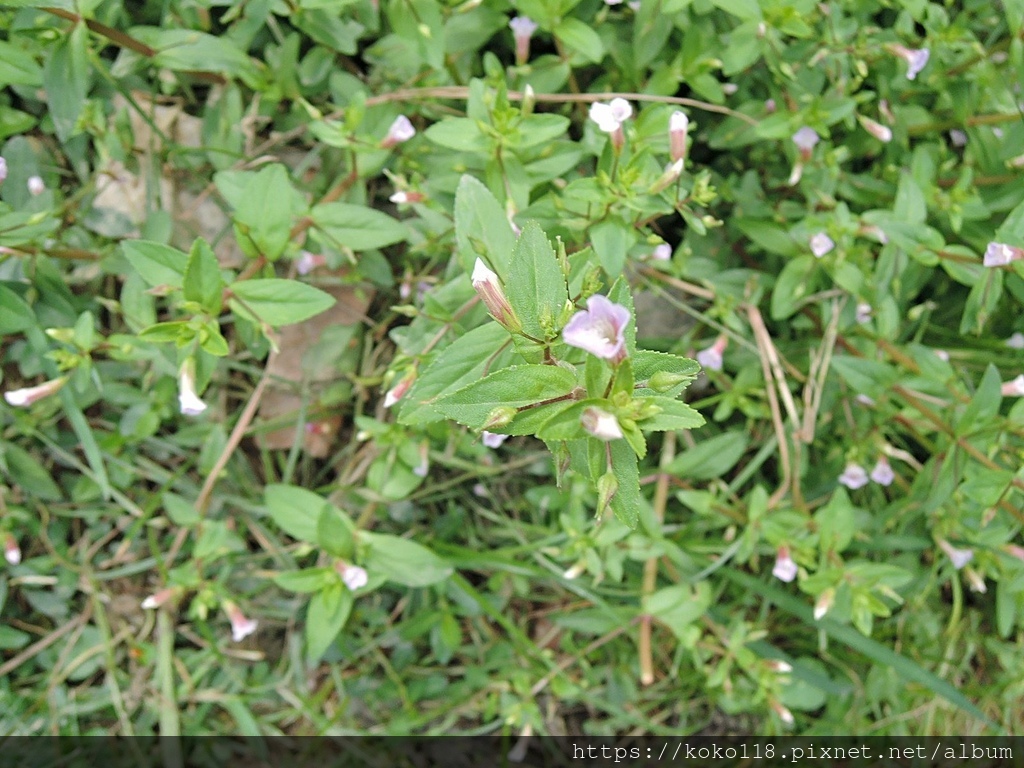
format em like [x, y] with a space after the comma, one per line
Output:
[27, 474]
[459, 133]
[307, 580]
[334, 532]
[66, 81]
[982, 302]
[748, 10]
[357, 227]
[710, 458]
[674, 415]
[15, 314]
[678, 606]
[646, 363]
[17, 67]
[541, 129]
[328, 611]
[460, 363]
[883, 657]
[581, 38]
[513, 387]
[156, 263]
[178, 331]
[279, 302]
[984, 405]
[566, 423]
[202, 282]
[296, 511]
[536, 286]
[403, 561]
[627, 499]
[611, 239]
[791, 286]
[189, 49]
[263, 210]
[479, 230]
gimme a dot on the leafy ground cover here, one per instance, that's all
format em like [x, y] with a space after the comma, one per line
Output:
[534, 367]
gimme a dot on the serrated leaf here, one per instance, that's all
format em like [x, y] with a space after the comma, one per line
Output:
[156, 263]
[674, 415]
[536, 286]
[279, 302]
[513, 387]
[356, 226]
[646, 363]
[403, 561]
[627, 499]
[462, 362]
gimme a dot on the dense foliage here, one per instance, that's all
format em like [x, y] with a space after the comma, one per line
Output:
[547, 366]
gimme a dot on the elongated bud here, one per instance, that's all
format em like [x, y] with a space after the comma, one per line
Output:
[485, 283]
[500, 417]
[12, 552]
[241, 626]
[824, 603]
[188, 398]
[607, 487]
[522, 28]
[398, 391]
[678, 125]
[22, 398]
[663, 381]
[159, 598]
[667, 178]
[529, 101]
[601, 424]
[876, 129]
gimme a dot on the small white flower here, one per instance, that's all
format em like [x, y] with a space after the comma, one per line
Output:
[36, 186]
[876, 129]
[785, 568]
[610, 117]
[662, 252]
[821, 244]
[1016, 341]
[22, 398]
[864, 400]
[770, 106]
[575, 571]
[1014, 388]
[307, 262]
[488, 287]
[710, 359]
[824, 603]
[353, 576]
[599, 329]
[916, 58]
[12, 552]
[863, 313]
[601, 424]
[188, 399]
[522, 26]
[958, 138]
[241, 627]
[729, 88]
[492, 439]
[854, 476]
[882, 472]
[3, 170]
[942, 354]
[158, 598]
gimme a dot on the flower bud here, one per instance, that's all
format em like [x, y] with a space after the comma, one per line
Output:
[12, 552]
[522, 28]
[3, 170]
[352, 576]
[398, 391]
[36, 186]
[824, 603]
[601, 424]
[22, 398]
[159, 598]
[876, 129]
[188, 399]
[668, 177]
[678, 126]
[485, 283]
[663, 381]
[500, 417]
[241, 626]
[401, 130]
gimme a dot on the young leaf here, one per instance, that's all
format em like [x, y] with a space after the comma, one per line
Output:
[403, 561]
[673, 415]
[536, 286]
[297, 511]
[263, 210]
[356, 226]
[278, 302]
[202, 282]
[156, 263]
[512, 387]
[328, 611]
[306, 580]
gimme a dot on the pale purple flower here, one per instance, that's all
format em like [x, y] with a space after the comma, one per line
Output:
[241, 627]
[678, 125]
[188, 399]
[805, 139]
[1016, 340]
[997, 132]
[864, 400]
[522, 28]
[575, 571]
[959, 557]
[1016, 162]
[12, 552]
[785, 568]
[663, 252]
[1014, 388]
[876, 129]
[609, 117]
[916, 58]
[307, 262]
[599, 329]
[486, 284]
[352, 576]
[401, 130]
[22, 398]
[601, 424]
[863, 313]
[958, 138]
[770, 106]
[882, 472]
[3, 170]
[821, 244]
[729, 88]
[854, 476]
[1001, 254]
[36, 186]
[711, 358]
[942, 354]
[492, 439]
